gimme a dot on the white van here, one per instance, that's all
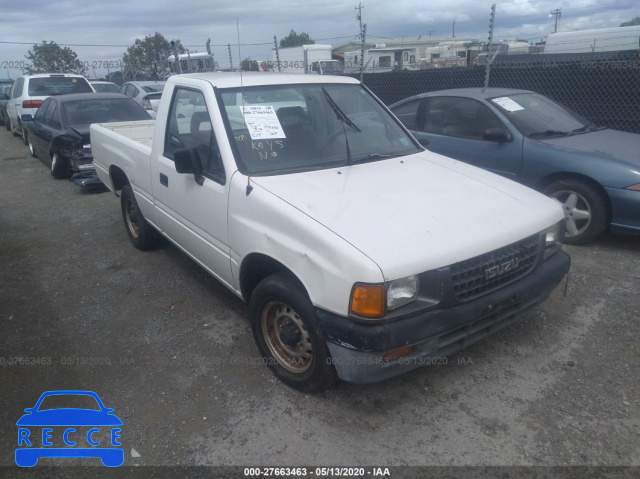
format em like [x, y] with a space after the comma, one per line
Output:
[29, 91]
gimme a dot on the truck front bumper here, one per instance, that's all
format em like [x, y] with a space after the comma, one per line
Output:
[358, 349]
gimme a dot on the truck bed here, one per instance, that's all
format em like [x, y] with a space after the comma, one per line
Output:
[127, 146]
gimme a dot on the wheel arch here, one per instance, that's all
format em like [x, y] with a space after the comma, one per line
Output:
[118, 178]
[257, 266]
[563, 176]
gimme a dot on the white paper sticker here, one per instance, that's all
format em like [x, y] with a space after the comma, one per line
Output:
[507, 103]
[262, 122]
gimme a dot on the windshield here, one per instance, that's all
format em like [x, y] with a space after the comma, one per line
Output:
[85, 112]
[279, 129]
[105, 87]
[535, 114]
[54, 85]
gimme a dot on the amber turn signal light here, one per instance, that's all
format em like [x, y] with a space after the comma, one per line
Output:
[398, 353]
[368, 300]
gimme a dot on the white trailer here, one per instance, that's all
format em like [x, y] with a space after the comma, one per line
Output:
[451, 53]
[381, 59]
[595, 40]
[303, 59]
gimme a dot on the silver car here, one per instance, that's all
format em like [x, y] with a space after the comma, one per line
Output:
[146, 93]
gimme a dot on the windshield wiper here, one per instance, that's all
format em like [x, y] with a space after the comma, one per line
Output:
[342, 116]
[590, 127]
[551, 133]
[344, 119]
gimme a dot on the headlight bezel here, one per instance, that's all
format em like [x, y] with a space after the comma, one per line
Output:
[374, 300]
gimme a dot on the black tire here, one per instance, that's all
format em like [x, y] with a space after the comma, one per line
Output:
[60, 167]
[7, 124]
[141, 233]
[298, 355]
[12, 129]
[32, 150]
[25, 135]
[586, 209]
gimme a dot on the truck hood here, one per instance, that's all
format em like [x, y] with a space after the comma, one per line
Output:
[416, 213]
[609, 144]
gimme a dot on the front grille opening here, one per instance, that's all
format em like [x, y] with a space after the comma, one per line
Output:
[476, 276]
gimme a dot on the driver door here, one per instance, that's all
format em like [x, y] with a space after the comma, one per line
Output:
[191, 214]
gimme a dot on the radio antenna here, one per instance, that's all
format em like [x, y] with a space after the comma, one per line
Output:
[249, 187]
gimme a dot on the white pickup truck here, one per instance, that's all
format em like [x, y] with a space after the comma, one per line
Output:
[362, 255]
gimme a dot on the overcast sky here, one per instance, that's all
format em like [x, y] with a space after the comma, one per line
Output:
[117, 22]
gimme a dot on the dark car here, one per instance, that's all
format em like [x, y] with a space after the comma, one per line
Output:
[594, 172]
[59, 133]
[5, 91]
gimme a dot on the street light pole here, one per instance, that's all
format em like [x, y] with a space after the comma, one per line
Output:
[558, 13]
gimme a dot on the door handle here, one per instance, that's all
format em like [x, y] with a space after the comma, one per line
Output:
[164, 180]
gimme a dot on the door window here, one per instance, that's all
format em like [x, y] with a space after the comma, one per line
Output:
[40, 113]
[408, 113]
[459, 117]
[189, 126]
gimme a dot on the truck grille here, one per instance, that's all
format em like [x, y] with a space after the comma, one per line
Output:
[476, 276]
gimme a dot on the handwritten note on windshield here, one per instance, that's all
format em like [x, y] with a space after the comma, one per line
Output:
[508, 104]
[262, 122]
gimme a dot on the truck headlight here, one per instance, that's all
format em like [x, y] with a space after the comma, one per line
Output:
[373, 300]
[402, 291]
[554, 236]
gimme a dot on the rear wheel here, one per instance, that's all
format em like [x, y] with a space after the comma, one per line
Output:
[141, 233]
[12, 129]
[585, 209]
[285, 330]
[32, 150]
[60, 167]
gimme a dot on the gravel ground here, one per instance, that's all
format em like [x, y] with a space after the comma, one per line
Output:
[172, 351]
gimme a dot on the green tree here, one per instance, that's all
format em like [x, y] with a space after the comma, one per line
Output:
[296, 40]
[630, 23]
[148, 58]
[52, 58]
[249, 65]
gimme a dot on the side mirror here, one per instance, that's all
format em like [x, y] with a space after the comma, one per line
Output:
[496, 134]
[187, 160]
[26, 117]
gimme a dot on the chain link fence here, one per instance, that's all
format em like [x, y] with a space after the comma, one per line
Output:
[603, 87]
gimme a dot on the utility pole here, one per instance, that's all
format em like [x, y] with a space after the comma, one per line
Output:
[177, 65]
[363, 33]
[558, 13]
[275, 42]
[230, 57]
[489, 60]
[453, 34]
[213, 61]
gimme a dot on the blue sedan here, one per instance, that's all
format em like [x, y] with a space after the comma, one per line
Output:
[594, 172]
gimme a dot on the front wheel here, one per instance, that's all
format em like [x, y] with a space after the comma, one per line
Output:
[25, 135]
[284, 328]
[142, 234]
[585, 209]
[60, 167]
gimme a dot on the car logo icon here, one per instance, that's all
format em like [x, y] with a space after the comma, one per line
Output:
[52, 429]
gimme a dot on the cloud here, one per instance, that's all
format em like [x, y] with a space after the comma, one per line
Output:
[120, 22]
